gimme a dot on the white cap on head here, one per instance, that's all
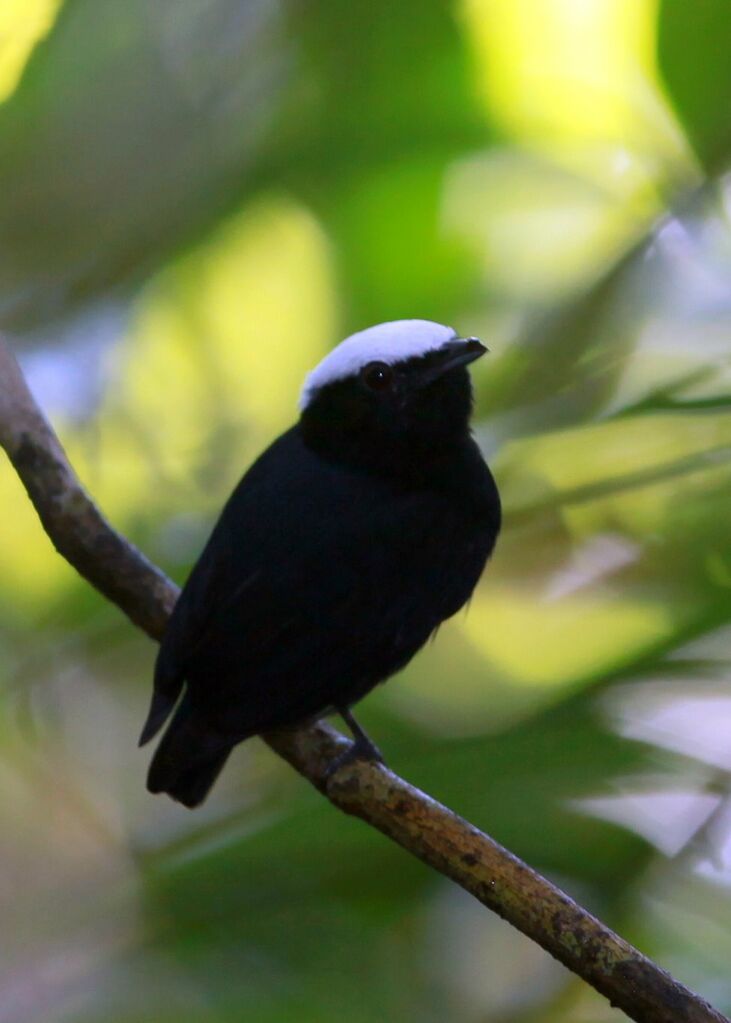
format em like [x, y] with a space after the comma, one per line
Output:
[386, 342]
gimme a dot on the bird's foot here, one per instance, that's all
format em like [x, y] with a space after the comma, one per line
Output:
[360, 749]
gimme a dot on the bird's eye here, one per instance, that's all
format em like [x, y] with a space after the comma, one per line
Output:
[377, 376]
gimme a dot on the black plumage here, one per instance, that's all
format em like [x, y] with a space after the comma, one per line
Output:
[341, 550]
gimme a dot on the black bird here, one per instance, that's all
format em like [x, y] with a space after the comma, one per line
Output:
[339, 553]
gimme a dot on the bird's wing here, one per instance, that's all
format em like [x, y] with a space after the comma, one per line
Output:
[260, 576]
[229, 565]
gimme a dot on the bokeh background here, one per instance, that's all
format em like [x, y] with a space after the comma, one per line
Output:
[197, 199]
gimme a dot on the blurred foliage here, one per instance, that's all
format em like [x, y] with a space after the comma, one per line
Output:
[693, 47]
[22, 24]
[198, 199]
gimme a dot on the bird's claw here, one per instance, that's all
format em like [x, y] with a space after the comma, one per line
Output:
[358, 750]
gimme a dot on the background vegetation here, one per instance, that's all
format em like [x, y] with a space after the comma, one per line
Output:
[197, 199]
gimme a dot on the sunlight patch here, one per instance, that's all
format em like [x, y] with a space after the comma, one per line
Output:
[23, 23]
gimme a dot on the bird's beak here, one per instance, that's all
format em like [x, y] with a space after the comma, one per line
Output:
[460, 351]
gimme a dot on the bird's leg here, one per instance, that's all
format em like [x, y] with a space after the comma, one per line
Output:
[366, 748]
[363, 747]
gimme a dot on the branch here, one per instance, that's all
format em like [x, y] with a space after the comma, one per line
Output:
[78, 530]
[411, 818]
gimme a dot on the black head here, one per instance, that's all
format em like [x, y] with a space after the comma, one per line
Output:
[391, 398]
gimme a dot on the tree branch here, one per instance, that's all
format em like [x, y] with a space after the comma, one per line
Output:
[411, 818]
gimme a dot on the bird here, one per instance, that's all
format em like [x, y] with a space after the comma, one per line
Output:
[340, 552]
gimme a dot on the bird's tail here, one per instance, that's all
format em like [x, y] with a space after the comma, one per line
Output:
[188, 760]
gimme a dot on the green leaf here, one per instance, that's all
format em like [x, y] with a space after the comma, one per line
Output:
[694, 52]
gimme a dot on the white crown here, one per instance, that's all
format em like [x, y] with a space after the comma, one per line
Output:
[387, 342]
